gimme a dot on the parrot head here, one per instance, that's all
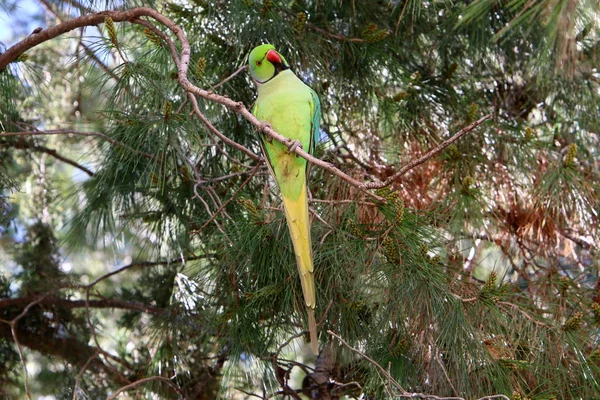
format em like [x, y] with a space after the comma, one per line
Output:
[265, 63]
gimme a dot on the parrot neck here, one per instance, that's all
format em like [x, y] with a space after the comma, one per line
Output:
[273, 81]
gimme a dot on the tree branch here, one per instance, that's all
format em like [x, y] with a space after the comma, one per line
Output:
[182, 61]
[13, 332]
[428, 155]
[337, 36]
[66, 303]
[68, 349]
[50, 7]
[141, 264]
[77, 133]
[80, 374]
[389, 377]
[240, 69]
[403, 393]
[216, 132]
[141, 381]
[233, 196]
[13, 52]
[50, 152]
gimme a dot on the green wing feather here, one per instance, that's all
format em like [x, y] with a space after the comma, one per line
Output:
[316, 121]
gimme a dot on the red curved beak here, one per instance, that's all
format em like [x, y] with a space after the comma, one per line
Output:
[273, 57]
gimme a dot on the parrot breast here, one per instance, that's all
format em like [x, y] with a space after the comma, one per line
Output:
[285, 102]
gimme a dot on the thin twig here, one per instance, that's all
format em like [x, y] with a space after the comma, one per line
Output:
[288, 341]
[228, 176]
[139, 382]
[208, 210]
[428, 155]
[80, 374]
[441, 364]
[215, 131]
[162, 35]
[317, 216]
[324, 315]
[366, 203]
[434, 397]
[21, 357]
[142, 264]
[249, 394]
[52, 153]
[230, 158]
[341, 386]
[366, 357]
[88, 319]
[13, 330]
[337, 36]
[529, 317]
[78, 133]
[233, 196]
[240, 69]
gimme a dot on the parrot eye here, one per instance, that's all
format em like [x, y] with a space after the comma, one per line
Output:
[259, 63]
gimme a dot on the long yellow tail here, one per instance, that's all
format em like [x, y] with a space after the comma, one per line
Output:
[298, 219]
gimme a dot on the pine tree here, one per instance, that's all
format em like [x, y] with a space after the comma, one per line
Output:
[143, 244]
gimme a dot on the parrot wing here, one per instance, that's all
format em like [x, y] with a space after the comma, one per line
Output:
[315, 107]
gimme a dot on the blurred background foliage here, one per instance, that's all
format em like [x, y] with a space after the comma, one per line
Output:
[135, 245]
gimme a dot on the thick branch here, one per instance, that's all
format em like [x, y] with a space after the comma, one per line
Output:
[66, 303]
[68, 349]
[13, 52]
[50, 7]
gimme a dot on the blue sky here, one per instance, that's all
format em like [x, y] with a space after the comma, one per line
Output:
[18, 19]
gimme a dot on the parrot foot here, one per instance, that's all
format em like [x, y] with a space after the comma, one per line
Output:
[263, 126]
[295, 144]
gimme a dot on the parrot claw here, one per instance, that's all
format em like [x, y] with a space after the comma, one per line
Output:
[263, 126]
[295, 144]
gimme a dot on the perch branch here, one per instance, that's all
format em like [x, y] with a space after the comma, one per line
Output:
[182, 61]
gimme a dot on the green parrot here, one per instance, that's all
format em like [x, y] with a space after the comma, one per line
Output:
[293, 110]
